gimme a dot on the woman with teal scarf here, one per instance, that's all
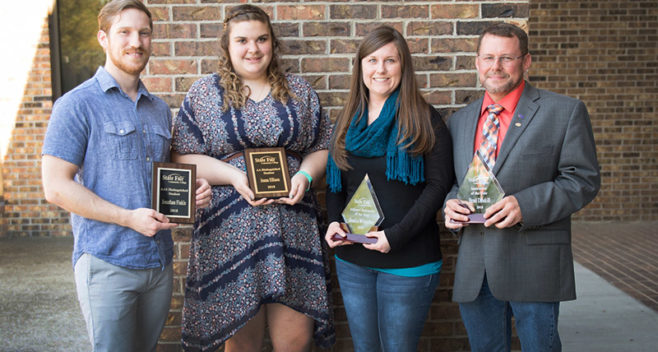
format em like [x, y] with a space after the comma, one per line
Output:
[390, 133]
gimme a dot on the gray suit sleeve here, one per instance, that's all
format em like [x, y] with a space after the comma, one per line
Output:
[577, 178]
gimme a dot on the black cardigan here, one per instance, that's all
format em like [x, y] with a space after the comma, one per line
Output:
[410, 211]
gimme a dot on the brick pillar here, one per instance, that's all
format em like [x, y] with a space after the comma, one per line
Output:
[24, 120]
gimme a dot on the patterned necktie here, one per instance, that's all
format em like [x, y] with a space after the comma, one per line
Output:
[490, 132]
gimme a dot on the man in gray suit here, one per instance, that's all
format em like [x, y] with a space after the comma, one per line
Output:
[519, 262]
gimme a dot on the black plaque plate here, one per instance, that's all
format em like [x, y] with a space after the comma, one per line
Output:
[174, 191]
[267, 171]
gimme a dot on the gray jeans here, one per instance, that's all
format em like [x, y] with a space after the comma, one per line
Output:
[125, 309]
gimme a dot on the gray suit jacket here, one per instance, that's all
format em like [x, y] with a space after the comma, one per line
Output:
[548, 162]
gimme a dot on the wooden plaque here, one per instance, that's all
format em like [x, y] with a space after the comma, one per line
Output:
[267, 171]
[174, 191]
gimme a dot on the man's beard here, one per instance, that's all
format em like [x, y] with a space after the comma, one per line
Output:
[505, 88]
[128, 65]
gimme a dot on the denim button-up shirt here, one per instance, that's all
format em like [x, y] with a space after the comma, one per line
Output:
[114, 142]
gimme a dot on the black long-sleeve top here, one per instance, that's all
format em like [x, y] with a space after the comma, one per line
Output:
[409, 211]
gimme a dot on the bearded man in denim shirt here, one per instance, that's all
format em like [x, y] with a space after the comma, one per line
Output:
[102, 140]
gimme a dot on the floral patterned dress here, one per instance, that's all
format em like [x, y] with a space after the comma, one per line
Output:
[242, 256]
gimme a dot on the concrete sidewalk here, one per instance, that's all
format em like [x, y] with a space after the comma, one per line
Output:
[38, 305]
[39, 310]
[605, 319]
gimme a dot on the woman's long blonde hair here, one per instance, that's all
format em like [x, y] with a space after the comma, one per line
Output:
[235, 92]
[413, 116]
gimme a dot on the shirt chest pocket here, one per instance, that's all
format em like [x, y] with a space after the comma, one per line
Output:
[161, 139]
[121, 139]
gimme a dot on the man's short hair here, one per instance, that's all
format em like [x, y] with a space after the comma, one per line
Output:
[509, 31]
[114, 8]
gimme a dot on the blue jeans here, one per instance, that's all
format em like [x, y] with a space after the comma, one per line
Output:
[488, 323]
[124, 309]
[385, 312]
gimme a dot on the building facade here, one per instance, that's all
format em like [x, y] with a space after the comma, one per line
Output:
[603, 52]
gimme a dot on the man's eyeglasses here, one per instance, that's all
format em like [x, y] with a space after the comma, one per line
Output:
[504, 60]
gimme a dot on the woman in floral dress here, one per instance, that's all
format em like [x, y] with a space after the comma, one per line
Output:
[254, 262]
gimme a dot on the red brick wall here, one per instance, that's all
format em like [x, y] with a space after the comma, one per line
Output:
[321, 38]
[606, 53]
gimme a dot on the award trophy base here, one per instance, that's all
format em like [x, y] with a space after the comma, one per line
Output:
[472, 219]
[476, 219]
[352, 237]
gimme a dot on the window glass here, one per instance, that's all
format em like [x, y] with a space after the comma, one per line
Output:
[79, 51]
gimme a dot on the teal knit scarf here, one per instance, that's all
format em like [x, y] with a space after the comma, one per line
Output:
[375, 140]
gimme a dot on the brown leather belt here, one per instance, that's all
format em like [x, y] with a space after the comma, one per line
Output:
[241, 154]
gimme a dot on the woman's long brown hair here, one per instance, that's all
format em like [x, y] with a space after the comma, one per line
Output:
[413, 116]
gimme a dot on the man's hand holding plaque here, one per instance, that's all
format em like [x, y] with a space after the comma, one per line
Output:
[362, 214]
[479, 189]
[174, 188]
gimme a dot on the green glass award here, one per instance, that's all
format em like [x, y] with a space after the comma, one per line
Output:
[480, 187]
[362, 214]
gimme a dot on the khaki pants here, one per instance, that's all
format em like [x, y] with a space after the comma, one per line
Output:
[124, 309]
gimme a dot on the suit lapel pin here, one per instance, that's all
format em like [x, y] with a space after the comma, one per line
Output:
[518, 124]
